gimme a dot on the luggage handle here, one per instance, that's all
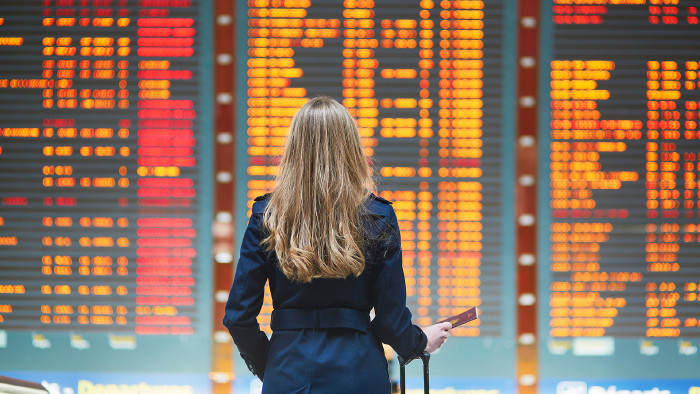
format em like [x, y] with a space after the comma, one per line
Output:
[426, 373]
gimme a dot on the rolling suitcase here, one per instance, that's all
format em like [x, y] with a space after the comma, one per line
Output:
[426, 374]
[456, 321]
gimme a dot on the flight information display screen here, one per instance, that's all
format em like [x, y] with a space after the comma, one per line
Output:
[620, 160]
[425, 81]
[104, 185]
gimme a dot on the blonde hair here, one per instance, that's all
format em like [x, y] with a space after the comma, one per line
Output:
[314, 213]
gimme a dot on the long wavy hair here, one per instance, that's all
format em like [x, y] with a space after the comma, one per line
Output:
[313, 217]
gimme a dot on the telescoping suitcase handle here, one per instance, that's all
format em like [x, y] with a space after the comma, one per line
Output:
[426, 373]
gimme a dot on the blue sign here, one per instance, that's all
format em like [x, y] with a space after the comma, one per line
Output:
[619, 386]
[116, 383]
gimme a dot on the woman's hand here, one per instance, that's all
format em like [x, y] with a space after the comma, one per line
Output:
[437, 335]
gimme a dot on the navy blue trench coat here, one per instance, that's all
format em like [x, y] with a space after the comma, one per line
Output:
[323, 340]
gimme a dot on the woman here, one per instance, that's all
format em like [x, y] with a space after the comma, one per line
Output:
[331, 251]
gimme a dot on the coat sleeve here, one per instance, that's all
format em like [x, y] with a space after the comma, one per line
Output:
[246, 299]
[392, 322]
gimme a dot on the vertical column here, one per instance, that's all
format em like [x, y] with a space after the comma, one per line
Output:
[425, 196]
[225, 35]
[663, 129]
[525, 195]
[409, 34]
[165, 158]
[460, 132]
[61, 71]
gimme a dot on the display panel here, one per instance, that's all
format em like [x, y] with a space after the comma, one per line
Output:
[104, 186]
[425, 82]
[619, 209]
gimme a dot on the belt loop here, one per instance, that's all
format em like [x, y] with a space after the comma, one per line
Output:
[316, 319]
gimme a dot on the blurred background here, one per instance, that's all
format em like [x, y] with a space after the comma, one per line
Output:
[543, 160]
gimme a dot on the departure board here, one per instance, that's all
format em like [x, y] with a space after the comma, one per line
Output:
[619, 195]
[104, 185]
[424, 81]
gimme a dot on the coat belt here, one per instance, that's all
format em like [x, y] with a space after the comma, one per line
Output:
[297, 319]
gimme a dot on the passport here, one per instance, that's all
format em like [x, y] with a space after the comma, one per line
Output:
[464, 317]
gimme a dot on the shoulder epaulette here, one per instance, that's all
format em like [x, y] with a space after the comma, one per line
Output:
[385, 201]
[264, 196]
